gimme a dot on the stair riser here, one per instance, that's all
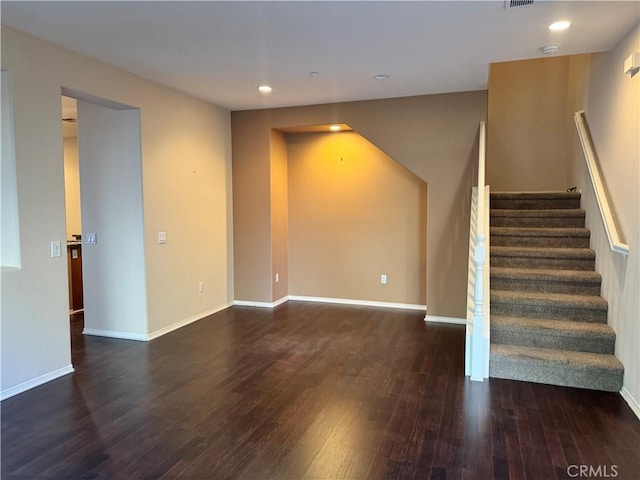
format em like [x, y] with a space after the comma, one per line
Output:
[539, 339]
[551, 263]
[535, 204]
[545, 286]
[537, 222]
[549, 311]
[551, 242]
[555, 374]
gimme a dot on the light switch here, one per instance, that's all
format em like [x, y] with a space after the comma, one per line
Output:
[92, 239]
[55, 249]
[162, 237]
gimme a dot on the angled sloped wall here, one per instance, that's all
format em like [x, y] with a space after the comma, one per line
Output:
[434, 136]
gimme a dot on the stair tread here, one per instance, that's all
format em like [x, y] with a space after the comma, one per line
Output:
[559, 299]
[582, 276]
[540, 335]
[543, 252]
[537, 213]
[576, 360]
[552, 327]
[551, 194]
[540, 232]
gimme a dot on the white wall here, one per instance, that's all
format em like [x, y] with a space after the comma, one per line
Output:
[613, 114]
[115, 300]
[186, 176]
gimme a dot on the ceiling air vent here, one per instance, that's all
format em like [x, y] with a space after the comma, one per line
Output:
[517, 3]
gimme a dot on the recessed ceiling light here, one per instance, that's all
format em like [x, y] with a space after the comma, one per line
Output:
[264, 89]
[562, 25]
[381, 76]
[334, 128]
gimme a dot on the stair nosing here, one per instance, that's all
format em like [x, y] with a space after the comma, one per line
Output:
[543, 252]
[593, 302]
[581, 329]
[570, 276]
[547, 194]
[562, 232]
[587, 360]
[538, 212]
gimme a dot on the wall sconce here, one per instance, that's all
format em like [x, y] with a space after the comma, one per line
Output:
[632, 64]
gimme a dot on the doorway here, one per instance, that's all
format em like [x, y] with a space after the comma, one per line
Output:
[103, 198]
[73, 216]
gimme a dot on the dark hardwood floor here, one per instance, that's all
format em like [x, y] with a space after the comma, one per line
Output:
[306, 391]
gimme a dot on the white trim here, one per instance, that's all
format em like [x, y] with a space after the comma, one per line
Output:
[451, 320]
[364, 303]
[36, 382]
[140, 337]
[281, 301]
[632, 402]
[616, 244]
[248, 303]
[467, 350]
[186, 321]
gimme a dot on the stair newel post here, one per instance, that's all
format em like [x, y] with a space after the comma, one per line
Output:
[477, 345]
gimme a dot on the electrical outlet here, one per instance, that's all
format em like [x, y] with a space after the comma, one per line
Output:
[201, 287]
[383, 279]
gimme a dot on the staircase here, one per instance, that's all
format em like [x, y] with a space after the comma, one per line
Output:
[548, 320]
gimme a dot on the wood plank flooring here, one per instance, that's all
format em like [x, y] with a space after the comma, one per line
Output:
[306, 391]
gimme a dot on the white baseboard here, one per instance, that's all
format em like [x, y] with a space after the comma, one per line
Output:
[280, 301]
[186, 321]
[341, 301]
[36, 382]
[247, 303]
[140, 337]
[632, 402]
[452, 320]
[362, 303]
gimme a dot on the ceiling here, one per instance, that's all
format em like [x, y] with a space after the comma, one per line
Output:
[222, 51]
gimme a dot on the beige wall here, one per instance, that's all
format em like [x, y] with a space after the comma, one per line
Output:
[354, 214]
[528, 123]
[186, 191]
[252, 262]
[72, 187]
[434, 136]
[613, 114]
[279, 216]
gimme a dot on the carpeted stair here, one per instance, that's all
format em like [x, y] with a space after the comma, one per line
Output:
[548, 320]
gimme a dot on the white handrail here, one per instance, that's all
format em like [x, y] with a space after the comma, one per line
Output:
[481, 169]
[616, 244]
[477, 342]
